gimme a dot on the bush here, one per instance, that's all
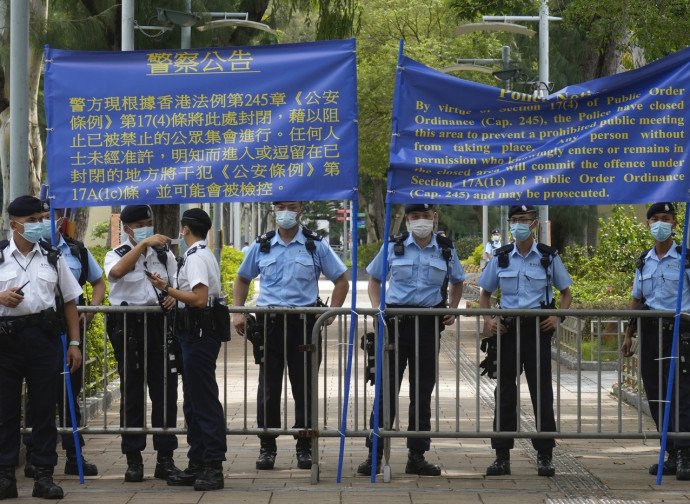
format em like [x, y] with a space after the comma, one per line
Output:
[366, 253]
[465, 246]
[477, 254]
[230, 260]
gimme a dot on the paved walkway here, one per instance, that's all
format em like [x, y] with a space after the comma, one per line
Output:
[587, 471]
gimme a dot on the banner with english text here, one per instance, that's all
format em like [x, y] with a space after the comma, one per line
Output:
[619, 139]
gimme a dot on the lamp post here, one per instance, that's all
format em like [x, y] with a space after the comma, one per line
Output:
[543, 19]
[506, 75]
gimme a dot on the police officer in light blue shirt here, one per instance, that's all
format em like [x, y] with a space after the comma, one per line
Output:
[421, 265]
[525, 272]
[656, 287]
[290, 261]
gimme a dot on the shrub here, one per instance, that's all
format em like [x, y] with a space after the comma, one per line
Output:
[366, 253]
[466, 245]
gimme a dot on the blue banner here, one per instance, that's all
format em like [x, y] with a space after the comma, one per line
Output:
[259, 123]
[619, 139]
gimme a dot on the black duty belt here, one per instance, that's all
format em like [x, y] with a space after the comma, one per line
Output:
[24, 321]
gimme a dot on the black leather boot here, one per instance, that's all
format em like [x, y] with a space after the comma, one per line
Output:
[545, 463]
[29, 469]
[669, 468]
[267, 455]
[500, 466]
[188, 476]
[44, 487]
[365, 467]
[211, 478]
[417, 465]
[135, 467]
[72, 465]
[683, 464]
[304, 454]
[8, 483]
[165, 466]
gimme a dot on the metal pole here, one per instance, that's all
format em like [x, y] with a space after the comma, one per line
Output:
[543, 91]
[127, 25]
[19, 98]
[186, 43]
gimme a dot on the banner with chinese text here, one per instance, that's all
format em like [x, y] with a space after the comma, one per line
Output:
[619, 139]
[259, 123]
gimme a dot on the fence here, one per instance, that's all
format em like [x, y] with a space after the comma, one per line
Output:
[462, 404]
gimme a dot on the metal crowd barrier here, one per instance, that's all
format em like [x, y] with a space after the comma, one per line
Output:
[462, 402]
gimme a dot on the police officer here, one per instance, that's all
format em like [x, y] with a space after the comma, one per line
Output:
[37, 301]
[524, 271]
[493, 244]
[85, 269]
[656, 288]
[198, 292]
[126, 267]
[420, 265]
[290, 261]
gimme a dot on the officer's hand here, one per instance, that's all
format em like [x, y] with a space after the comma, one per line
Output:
[331, 320]
[238, 322]
[157, 281]
[169, 302]
[448, 319]
[626, 347]
[157, 240]
[73, 358]
[10, 298]
[549, 323]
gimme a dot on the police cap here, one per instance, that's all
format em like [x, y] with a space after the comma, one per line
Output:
[134, 213]
[197, 216]
[495, 231]
[23, 206]
[521, 209]
[286, 201]
[665, 207]
[418, 207]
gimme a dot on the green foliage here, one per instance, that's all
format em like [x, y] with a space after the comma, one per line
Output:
[95, 361]
[466, 246]
[366, 253]
[230, 260]
[100, 230]
[477, 254]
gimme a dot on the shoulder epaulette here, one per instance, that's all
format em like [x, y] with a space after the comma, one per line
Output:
[504, 249]
[3, 246]
[50, 251]
[400, 237]
[444, 241]
[312, 235]
[193, 250]
[265, 241]
[545, 249]
[122, 250]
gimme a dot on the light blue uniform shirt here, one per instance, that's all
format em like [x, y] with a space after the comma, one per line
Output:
[289, 274]
[417, 275]
[658, 282]
[74, 262]
[523, 283]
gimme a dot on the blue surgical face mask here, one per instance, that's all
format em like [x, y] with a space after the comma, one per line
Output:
[142, 233]
[520, 231]
[47, 233]
[286, 219]
[661, 230]
[32, 231]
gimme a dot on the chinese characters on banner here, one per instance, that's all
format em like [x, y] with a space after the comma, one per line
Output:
[619, 139]
[257, 123]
